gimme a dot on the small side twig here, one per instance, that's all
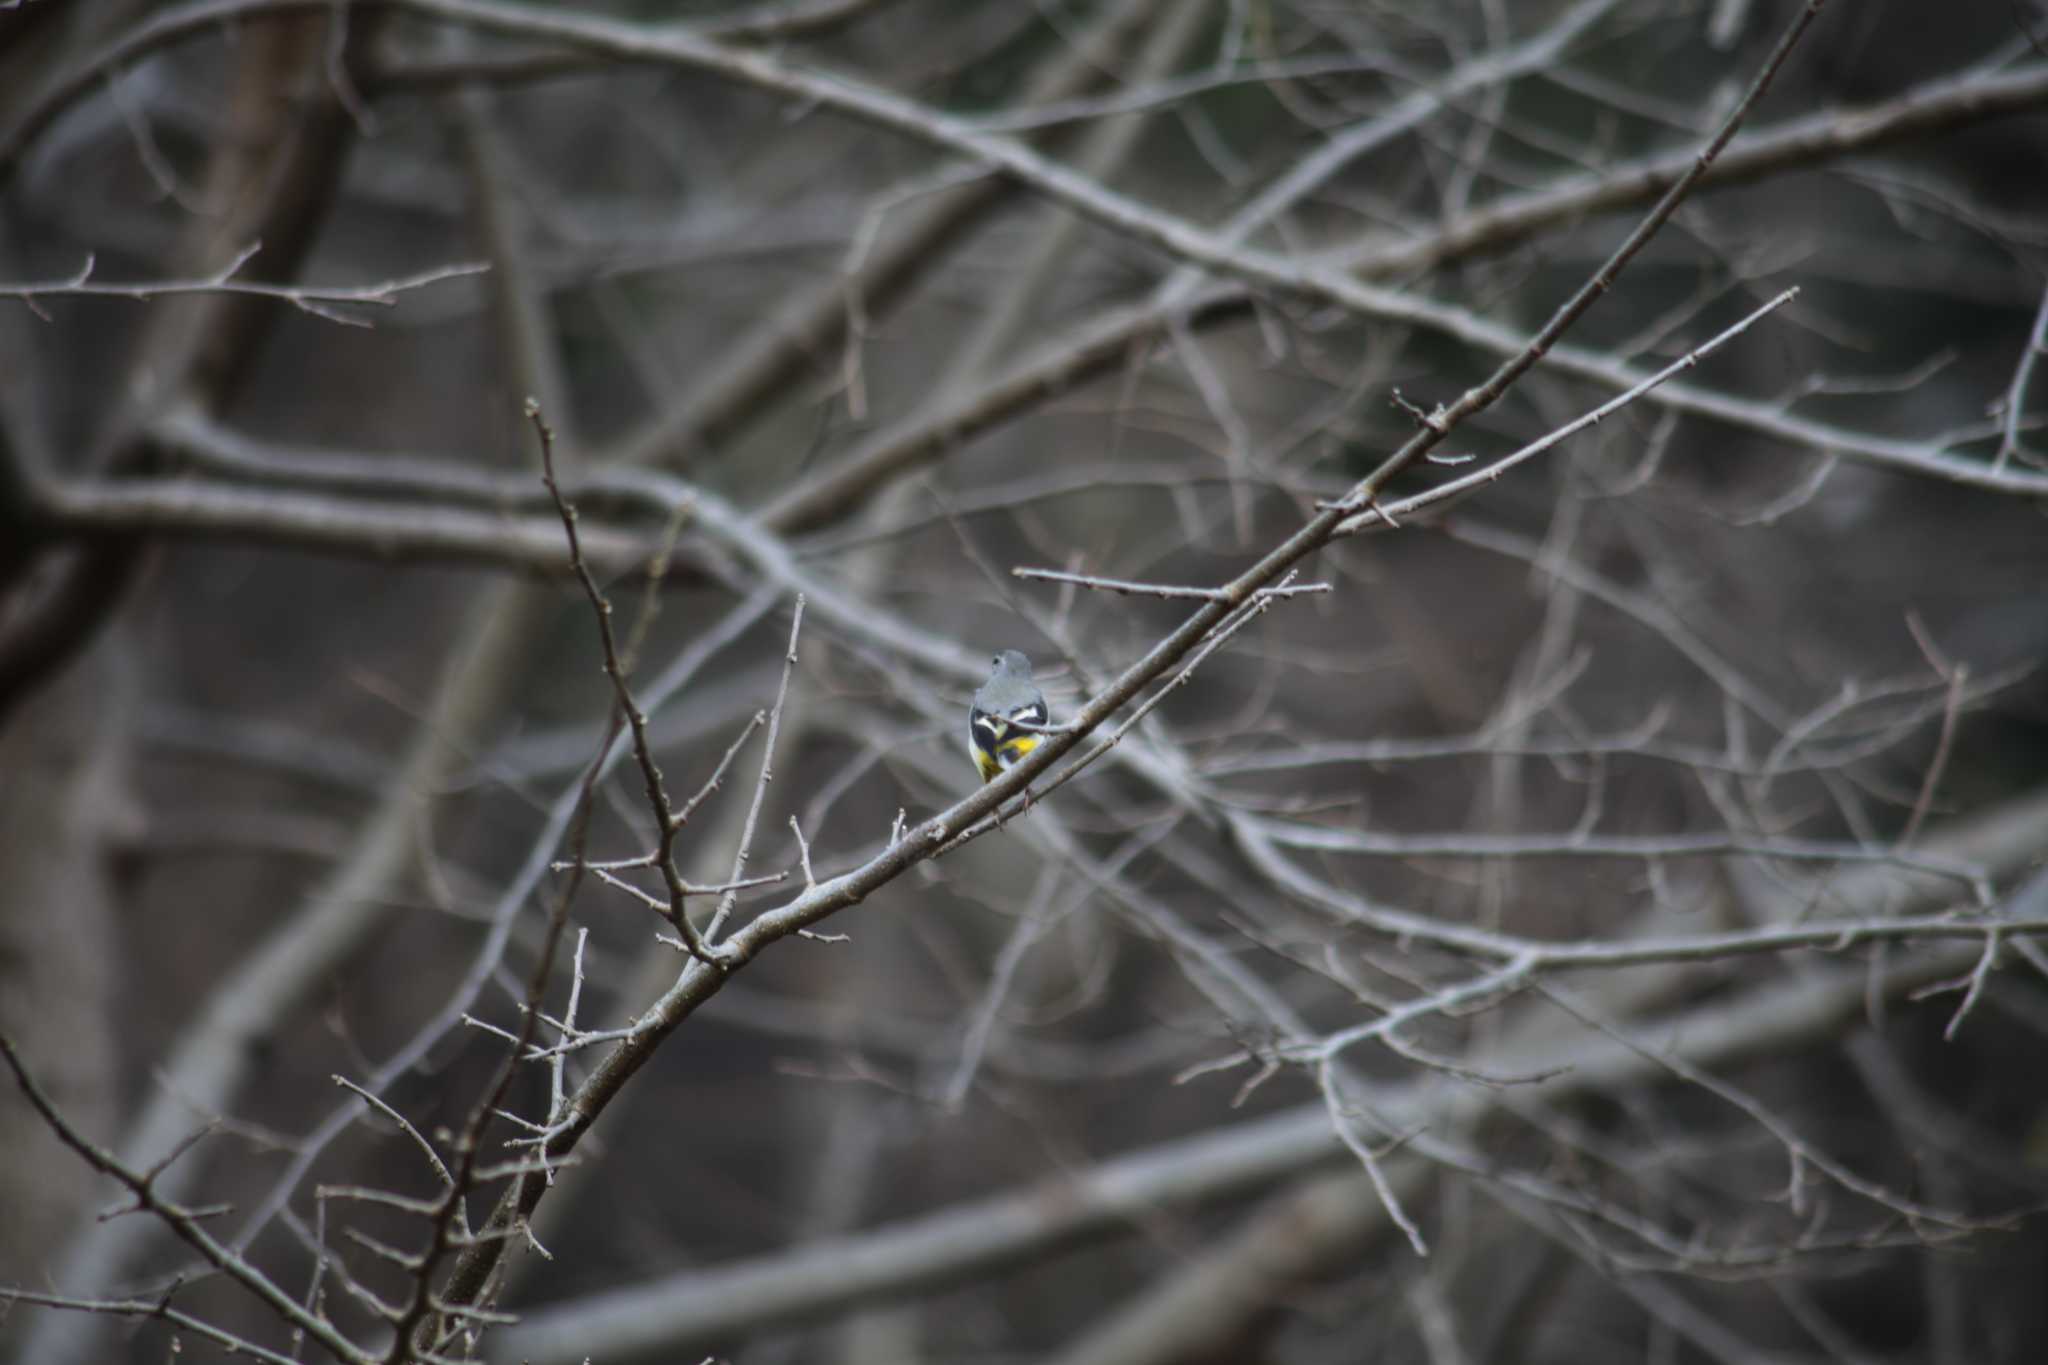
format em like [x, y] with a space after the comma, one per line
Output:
[2016, 393]
[558, 1095]
[404, 1124]
[745, 850]
[1957, 676]
[1367, 510]
[1971, 985]
[711, 784]
[803, 852]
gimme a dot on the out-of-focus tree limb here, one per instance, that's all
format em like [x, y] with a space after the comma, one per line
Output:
[805, 326]
[209, 1061]
[703, 1305]
[167, 26]
[273, 180]
[1937, 106]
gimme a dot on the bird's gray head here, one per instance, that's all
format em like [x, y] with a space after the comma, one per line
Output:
[1013, 662]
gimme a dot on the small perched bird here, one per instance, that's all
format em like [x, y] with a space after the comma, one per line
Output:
[993, 742]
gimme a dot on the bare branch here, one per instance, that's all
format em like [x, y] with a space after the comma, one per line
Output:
[2016, 392]
[740, 854]
[180, 1220]
[1169, 591]
[315, 299]
[665, 818]
[160, 1309]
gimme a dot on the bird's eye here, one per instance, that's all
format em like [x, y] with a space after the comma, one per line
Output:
[996, 662]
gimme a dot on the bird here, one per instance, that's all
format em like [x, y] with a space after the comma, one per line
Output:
[995, 740]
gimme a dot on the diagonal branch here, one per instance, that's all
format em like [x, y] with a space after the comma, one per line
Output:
[700, 983]
[180, 1220]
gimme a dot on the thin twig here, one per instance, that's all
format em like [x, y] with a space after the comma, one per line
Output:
[160, 1309]
[1370, 511]
[745, 849]
[1957, 676]
[711, 784]
[314, 299]
[404, 1124]
[1179, 592]
[1800, 1154]
[2016, 392]
[804, 853]
[558, 1099]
